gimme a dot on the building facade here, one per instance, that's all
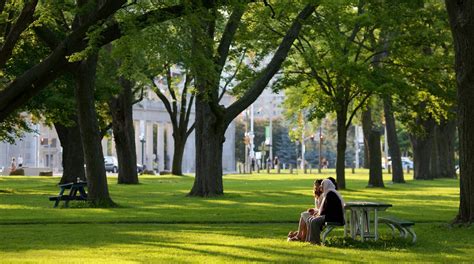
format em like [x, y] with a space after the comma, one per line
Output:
[153, 140]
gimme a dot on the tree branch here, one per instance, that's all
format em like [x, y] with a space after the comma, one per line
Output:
[361, 103]
[22, 22]
[190, 130]
[259, 84]
[224, 89]
[18, 92]
[141, 95]
[189, 108]
[104, 130]
[170, 88]
[357, 27]
[31, 82]
[166, 102]
[227, 37]
[184, 98]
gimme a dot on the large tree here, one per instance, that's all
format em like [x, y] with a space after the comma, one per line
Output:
[213, 119]
[423, 96]
[333, 66]
[19, 90]
[461, 18]
[120, 93]
[178, 102]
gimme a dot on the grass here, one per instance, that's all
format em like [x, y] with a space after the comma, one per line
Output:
[156, 222]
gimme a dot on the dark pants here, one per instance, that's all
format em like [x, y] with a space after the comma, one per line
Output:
[314, 229]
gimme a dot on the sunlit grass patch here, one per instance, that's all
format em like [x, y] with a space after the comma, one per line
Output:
[157, 222]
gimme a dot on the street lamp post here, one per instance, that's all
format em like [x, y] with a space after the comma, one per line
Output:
[320, 148]
[251, 139]
[302, 151]
[142, 140]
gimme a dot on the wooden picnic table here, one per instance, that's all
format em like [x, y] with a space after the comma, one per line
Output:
[359, 222]
[77, 192]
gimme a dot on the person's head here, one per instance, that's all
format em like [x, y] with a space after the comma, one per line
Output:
[327, 186]
[317, 188]
[13, 159]
[333, 181]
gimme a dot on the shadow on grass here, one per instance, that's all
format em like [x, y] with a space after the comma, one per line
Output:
[247, 243]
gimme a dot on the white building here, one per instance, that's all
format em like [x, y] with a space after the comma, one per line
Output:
[151, 121]
[269, 104]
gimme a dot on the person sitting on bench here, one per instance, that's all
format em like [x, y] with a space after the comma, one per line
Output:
[300, 235]
[331, 210]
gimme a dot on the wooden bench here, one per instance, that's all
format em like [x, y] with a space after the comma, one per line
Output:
[76, 193]
[328, 227]
[403, 226]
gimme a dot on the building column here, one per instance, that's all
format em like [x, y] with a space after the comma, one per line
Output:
[149, 146]
[170, 143]
[104, 143]
[136, 126]
[161, 146]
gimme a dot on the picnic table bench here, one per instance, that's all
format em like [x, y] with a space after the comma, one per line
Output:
[328, 227]
[77, 192]
[359, 222]
[360, 215]
[403, 226]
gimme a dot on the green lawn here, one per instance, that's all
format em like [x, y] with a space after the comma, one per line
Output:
[156, 222]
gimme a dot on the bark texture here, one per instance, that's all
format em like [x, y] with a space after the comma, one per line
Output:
[393, 147]
[211, 118]
[435, 154]
[461, 18]
[375, 155]
[179, 144]
[121, 108]
[366, 128]
[73, 155]
[341, 149]
[422, 147]
[446, 147]
[209, 141]
[91, 139]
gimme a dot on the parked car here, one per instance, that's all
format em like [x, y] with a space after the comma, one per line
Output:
[406, 163]
[111, 164]
[140, 168]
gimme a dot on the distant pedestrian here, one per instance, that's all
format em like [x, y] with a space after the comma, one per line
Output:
[13, 165]
[276, 162]
[20, 161]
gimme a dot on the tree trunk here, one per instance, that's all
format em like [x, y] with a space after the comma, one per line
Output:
[422, 151]
[461, 18]
[179, 144]
[341, 149]
[121, 109]
[212, 119]
[84, 75]
[366, 129]
[209, 141]
[366, 153]
[435, 155]
[73, 155]
[393, 147]
[375, 155]
[447, 132]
